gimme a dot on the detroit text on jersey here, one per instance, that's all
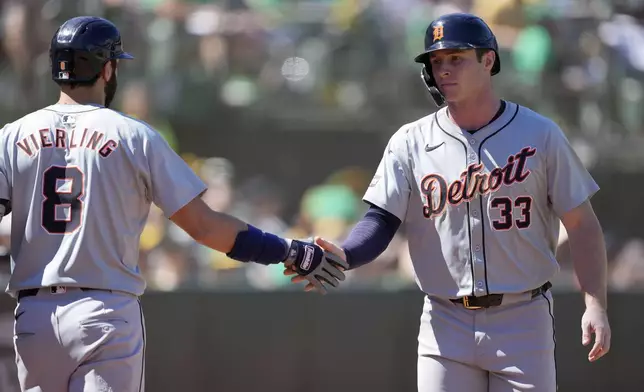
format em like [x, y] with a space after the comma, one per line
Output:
[472, 182]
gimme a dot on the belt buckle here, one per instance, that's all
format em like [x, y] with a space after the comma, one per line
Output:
[466, 304]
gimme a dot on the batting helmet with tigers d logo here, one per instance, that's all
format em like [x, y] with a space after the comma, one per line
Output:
[455, 31]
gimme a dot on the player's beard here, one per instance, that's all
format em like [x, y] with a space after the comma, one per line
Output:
[110, 90]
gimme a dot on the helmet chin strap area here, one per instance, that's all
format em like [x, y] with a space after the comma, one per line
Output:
[437, 96]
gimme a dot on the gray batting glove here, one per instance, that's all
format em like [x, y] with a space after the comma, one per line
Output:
[320, 268]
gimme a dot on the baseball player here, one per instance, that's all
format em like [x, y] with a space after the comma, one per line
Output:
[79, 179]
[482, 185]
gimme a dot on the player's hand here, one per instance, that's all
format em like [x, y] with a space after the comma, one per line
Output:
[595, 320]
[332, 252]
[311, 262]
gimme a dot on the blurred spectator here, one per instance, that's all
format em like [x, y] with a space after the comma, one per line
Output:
[136, 103]
[329, 211]
[627, 271]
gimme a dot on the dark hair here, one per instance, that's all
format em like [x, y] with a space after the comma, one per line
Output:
[86, 83]
[73, 85]
[480, 52]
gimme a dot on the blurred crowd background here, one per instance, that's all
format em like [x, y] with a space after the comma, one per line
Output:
[284, 108]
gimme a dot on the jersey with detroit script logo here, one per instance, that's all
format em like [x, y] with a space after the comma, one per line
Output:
[481, 209]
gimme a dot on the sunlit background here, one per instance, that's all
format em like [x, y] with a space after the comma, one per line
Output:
[284, 107]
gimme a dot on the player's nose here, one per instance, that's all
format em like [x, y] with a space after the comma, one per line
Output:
[441, 69]
[444, 73]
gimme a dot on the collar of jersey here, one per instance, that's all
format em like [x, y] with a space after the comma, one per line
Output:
[447, 126]
[74, 108]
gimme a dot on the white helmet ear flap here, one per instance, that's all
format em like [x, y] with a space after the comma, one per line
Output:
[437, 96]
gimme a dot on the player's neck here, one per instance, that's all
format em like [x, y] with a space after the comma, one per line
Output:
[476, 112]
[78, 96]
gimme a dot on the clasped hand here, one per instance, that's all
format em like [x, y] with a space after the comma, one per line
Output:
[317, 261]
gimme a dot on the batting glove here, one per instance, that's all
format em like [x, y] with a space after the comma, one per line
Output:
[316, 265]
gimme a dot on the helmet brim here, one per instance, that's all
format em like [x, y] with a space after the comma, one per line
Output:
[124, 56]
[423, 58]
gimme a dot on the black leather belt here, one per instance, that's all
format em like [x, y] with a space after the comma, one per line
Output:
[53, 289]
[487, 301]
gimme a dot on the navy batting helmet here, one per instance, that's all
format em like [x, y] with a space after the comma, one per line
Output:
[81, 47]
[455, 31]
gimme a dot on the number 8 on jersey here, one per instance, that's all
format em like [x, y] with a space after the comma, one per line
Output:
[62, 208]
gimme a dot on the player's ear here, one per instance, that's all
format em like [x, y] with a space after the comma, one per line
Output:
[489, 58]
[107, 71]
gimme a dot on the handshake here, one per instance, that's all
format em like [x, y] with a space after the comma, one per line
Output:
[318, 261]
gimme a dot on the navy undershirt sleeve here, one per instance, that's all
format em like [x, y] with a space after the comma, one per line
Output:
[370, 237]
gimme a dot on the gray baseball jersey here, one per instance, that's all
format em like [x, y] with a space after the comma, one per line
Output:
[481, 210]
[81, 179]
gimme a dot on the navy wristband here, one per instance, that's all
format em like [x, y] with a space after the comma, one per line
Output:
[258, 246]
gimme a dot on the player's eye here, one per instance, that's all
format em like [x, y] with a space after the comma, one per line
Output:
[456, 59]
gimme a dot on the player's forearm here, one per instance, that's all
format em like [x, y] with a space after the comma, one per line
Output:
[370, 237]
[588, 251]
[220, 231]
[238, 240]
[227, 234]
[242, 242]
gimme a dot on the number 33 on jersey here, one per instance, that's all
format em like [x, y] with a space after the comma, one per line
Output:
[481, 209]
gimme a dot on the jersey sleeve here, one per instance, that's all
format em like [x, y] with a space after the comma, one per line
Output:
[171, 182]
[390, 187]
[569, 183]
